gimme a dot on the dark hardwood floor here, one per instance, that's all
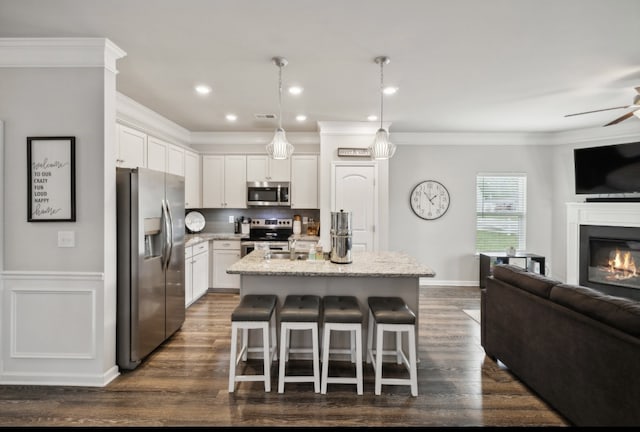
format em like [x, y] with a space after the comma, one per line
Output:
[185, 383]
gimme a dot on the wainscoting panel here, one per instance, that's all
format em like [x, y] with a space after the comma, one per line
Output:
[52, 329]
[50, 323]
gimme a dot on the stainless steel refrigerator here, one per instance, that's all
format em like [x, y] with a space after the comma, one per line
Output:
[151, 278]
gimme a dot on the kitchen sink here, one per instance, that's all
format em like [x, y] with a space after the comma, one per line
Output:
[297, 256]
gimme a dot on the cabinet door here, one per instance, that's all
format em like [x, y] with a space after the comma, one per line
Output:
[200, 274]
[223, 259]
[304, 181]
[257, 168]
[131, 147]
[192, 180]
[175, 160]
[156, 154]
[188, 276]
[213, 181]
[235, 181]
[279, 170]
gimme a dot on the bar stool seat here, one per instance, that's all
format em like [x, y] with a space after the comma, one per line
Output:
[255, 312]
[342, 313]
[392, 314]
[299, 312]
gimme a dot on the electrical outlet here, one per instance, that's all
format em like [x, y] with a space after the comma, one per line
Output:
[231, 219]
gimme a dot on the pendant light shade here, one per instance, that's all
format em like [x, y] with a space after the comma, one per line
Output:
[279, 147]
[382, 148]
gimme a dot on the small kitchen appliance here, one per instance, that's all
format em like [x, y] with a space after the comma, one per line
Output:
[341, 237]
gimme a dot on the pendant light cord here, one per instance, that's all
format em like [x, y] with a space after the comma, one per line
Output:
[381, 91]
[280, 93]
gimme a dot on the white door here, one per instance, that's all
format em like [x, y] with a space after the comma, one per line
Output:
[355, 192]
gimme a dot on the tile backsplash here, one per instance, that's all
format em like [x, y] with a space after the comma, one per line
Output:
[217, 220]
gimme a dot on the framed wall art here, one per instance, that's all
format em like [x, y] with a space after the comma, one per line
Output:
[51, 179]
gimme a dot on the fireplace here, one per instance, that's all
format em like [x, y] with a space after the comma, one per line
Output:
[609, 259]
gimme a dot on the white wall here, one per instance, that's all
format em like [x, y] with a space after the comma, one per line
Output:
[447, 244]
[57, 305]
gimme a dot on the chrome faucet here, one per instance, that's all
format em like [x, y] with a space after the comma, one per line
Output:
[292, 249]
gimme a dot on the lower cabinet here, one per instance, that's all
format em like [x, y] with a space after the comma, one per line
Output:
[196, 265]
[225, 253]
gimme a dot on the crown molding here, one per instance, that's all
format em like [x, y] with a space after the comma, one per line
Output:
[624, 132]
[60, 52]
[140, 117]
[350, 128]
[471, 138]
[240, 138]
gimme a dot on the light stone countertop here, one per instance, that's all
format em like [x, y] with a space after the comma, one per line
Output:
[194, 239]
[364, 264]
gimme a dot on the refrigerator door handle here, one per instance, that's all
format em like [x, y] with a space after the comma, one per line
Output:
[170, 233]
[166, 244]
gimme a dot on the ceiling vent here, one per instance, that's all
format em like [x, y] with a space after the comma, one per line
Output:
[265, 116]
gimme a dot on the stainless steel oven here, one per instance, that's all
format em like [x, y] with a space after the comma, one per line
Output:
[275, 194]
[247, 246]
[275, 232]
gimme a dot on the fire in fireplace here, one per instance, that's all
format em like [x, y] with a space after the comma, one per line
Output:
[610, 259]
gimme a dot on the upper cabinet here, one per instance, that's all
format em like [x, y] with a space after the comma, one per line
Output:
[131, 147]
[156, 154]
[304, 181]
[264, 168]
[175, 160]
[192, 183]
[224, 181]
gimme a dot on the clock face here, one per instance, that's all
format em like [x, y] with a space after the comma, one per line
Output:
[429, 199]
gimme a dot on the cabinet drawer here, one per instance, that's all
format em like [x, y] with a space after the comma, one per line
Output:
[188, 252]
[200, 247]
[226, 244]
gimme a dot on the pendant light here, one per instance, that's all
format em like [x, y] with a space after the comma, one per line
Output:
[382, 148]
[279, 147]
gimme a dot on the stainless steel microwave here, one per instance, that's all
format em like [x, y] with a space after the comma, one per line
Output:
[268, 194]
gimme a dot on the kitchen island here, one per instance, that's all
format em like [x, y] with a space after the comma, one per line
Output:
[369, 274]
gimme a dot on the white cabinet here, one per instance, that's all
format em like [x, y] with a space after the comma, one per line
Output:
[156, 154]
[225, 253]
[192, 181]
[196, 266]
[131, 147]
[264, 168]
[304, 181]
[224, 181]
[175, 160]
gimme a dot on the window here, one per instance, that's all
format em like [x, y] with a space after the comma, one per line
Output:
[501, 212]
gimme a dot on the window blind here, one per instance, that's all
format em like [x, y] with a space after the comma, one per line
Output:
[501, 212]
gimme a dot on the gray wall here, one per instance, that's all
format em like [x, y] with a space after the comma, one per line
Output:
[54, 102]
[447, 244]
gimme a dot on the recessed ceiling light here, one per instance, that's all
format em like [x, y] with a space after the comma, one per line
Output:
[295, 90]
[390, 90]
[203, 89]
[231, 117]
[372, 117]
[301, 117]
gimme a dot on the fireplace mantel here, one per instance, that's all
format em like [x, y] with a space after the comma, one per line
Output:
[594, 213]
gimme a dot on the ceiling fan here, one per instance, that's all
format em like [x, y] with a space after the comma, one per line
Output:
[635, 105]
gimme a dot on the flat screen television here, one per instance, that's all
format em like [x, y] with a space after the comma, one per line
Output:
[611, 169]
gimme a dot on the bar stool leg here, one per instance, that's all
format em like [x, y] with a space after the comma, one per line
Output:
[326, 340]
[244, 340]
[398, 347]
[370, 347]
[358, 337]
[378, 361]
[413, 368]
[316, 357]
[266, 343]
[284, 343]
[233, 358]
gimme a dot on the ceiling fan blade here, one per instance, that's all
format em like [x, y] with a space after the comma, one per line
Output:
[621, 118]
[594, 111]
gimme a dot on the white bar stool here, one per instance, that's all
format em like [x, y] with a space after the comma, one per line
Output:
[392, 314]
[299, 312]
[255, 312]
[342, 313]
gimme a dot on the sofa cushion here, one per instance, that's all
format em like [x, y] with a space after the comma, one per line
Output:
[532, 282]
[618, 312]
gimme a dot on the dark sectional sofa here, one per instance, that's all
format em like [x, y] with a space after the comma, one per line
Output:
[575, 347]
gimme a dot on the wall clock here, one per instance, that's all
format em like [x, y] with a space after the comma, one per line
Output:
[429, 200]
